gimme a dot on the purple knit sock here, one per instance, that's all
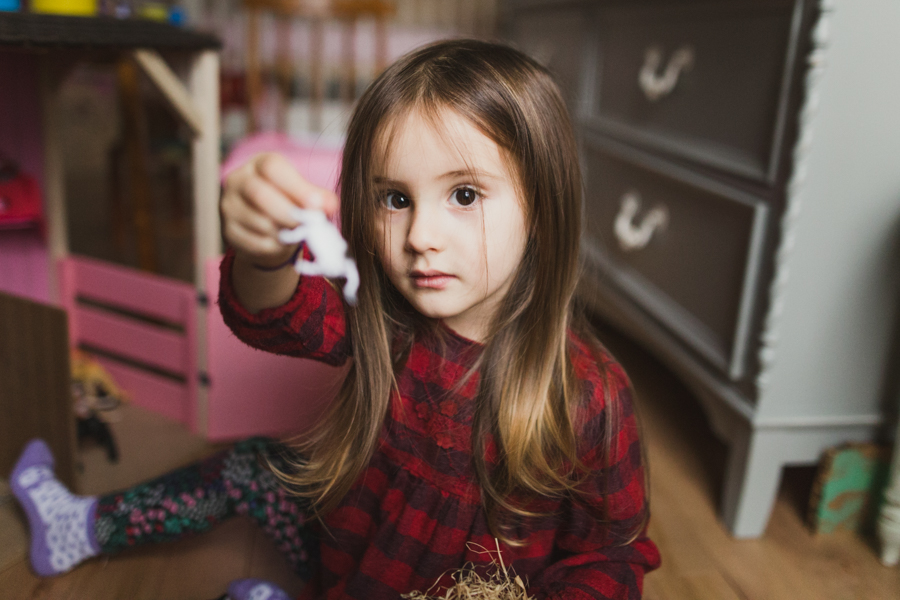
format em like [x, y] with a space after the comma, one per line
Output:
[255, 589]
[61, 523]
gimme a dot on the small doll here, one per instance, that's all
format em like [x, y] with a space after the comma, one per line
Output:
[96, 397]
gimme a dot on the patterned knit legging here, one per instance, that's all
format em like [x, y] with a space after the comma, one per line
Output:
[195, 498]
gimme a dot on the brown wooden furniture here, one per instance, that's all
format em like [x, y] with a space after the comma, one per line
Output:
[35, 388]
[741, 203]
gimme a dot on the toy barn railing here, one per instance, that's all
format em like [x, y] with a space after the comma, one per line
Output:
[141, 327]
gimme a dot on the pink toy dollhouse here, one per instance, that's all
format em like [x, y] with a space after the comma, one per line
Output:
[163, 340]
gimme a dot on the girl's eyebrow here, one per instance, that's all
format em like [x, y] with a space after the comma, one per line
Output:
[387, 181]
[474, 173]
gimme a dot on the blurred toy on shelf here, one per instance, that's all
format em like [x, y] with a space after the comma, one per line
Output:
[120, 9]
[154, 11]
[20, 197]
[84, 8]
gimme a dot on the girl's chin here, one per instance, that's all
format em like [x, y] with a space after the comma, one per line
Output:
[434, 310]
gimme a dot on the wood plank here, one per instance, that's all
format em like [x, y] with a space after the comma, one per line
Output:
[14, 537]
[144, 343]
[140, 292]
[171, 87]
[162, 395]
[35, 388]
[708, 585]
[268, 564]
[17, 582]
[202, 567]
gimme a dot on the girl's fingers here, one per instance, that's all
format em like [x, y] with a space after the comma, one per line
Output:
[278, 171]
[237, 209]
[269, 201]
[251, 243]
[255, 221]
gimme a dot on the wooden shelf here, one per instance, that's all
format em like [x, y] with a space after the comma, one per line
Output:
[58, 32]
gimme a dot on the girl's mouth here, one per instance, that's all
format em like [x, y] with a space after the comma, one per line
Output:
[434, 280]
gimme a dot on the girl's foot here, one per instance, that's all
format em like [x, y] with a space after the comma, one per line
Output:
[61, 523]
[255, 589]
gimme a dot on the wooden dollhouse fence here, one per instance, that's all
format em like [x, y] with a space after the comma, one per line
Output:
[141, 327]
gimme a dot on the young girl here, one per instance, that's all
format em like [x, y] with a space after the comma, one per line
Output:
[476, 412]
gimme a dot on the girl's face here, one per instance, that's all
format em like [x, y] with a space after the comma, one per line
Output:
[451, 229]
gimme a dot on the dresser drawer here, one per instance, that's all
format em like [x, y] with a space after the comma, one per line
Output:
[684, 248]
[554, 36]
[704, 80]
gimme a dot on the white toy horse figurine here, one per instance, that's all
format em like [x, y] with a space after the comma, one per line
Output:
[325, 243]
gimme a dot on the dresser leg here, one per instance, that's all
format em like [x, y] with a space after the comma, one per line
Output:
[889, 519]
[751, 481]
[889, 533]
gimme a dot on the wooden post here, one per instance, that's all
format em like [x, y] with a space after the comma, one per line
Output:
[284, 68]
[136, 142]
[170, 86]
[889, 519]
[254, 75]
[204, 88]
[381, 50]
[54, 175]
[316, 74]
[349, 74]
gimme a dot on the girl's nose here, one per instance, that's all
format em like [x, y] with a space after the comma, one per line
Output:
[424, 233]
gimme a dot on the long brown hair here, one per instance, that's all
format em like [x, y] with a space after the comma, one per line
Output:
[527, 390]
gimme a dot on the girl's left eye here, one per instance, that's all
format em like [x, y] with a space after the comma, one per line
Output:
[465, 196]
[395, 200]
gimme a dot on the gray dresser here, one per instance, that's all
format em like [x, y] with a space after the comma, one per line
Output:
[742, 187]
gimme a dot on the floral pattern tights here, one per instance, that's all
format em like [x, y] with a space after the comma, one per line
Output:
[197, 497]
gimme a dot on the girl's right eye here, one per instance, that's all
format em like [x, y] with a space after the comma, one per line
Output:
[394, 200]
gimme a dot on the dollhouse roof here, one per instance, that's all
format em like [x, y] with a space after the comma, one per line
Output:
[52, 31]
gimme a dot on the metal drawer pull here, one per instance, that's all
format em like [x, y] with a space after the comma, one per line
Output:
[657, 86]
[635, 237]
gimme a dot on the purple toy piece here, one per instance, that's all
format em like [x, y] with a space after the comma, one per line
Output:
[255, 589]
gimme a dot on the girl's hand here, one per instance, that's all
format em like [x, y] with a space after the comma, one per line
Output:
[256, 204]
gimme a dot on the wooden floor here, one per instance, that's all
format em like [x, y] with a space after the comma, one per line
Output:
[700, 560]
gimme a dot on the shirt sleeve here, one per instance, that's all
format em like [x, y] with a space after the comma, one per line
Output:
[597, 559]
[311, 324]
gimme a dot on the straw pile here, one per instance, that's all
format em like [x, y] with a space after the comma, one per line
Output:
[500, 584]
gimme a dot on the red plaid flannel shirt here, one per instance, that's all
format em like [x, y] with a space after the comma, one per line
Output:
[415, 513]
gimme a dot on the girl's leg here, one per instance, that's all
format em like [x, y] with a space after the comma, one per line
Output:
[197, 497]
[178, 504]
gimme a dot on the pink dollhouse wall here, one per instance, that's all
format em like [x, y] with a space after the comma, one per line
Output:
[253, 392]
[24, 260]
